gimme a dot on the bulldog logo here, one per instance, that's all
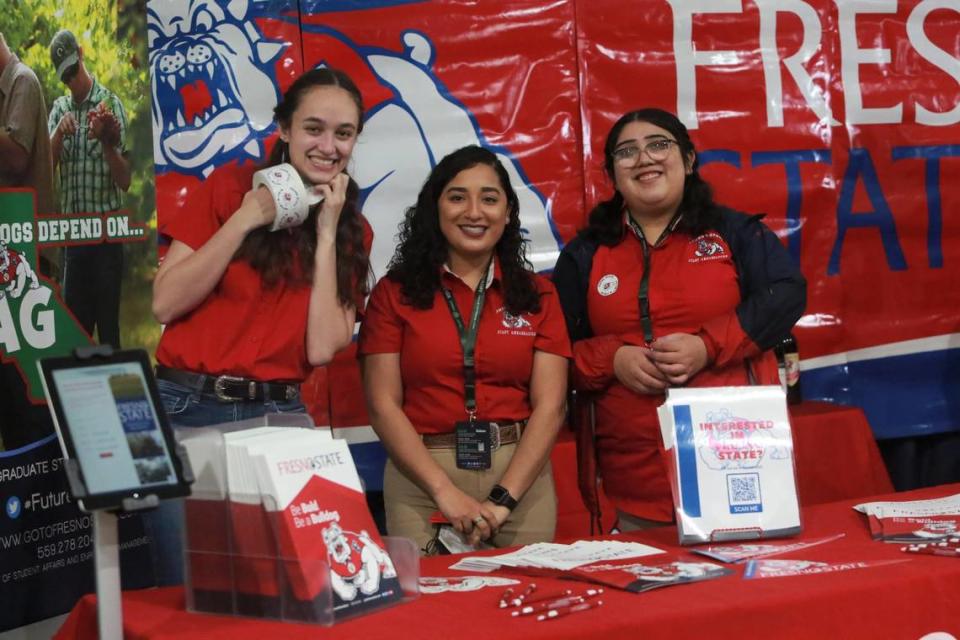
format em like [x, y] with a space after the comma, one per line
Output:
[672, 571]
[707, 247]
[213, 100]
[357, 563]
[16, 274]
[213, 94]
[511, 321]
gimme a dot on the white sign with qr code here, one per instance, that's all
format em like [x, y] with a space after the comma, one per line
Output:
[732, 471]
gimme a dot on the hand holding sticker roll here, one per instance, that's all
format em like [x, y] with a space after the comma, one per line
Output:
[291, 197]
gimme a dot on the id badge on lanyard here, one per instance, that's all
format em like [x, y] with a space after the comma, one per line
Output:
[473, 444]
[473, 437]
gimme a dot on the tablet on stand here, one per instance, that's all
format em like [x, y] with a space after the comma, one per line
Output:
[119, 451]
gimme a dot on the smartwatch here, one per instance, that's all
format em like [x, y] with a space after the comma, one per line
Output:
[500, 496]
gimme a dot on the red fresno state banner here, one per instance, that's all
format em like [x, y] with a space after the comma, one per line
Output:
[840, 121]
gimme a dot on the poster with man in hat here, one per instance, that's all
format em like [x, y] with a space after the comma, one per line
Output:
[88, 142]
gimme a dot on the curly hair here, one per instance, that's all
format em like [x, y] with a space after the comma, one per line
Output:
[269, 253]
[422, 249]
[700, 212]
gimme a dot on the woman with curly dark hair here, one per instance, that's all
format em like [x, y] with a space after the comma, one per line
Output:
[664, 288]
[465, 363]
[250, 311]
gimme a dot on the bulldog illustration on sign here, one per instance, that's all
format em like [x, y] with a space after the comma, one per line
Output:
[16, 274]
[357, 563]
[215, 87]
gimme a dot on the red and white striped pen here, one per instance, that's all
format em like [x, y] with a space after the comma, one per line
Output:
[516, 602]
[557, 613]
[558, 604]
[544, 597]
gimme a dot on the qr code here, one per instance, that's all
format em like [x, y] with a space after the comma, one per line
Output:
[743, 492]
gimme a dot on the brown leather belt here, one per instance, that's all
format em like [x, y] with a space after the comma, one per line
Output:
[230, 388]
[500, 435]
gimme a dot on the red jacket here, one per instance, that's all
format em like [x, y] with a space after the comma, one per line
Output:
[735, 287]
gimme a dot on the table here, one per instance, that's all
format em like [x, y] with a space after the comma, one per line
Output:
[908, 599]
[836, 455]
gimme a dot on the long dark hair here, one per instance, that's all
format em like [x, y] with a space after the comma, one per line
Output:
[270, 253]
[422, 248]
[700, 212]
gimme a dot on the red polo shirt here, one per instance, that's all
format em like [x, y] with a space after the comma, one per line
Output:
[693, 288]
[431, 359]
[243, 328]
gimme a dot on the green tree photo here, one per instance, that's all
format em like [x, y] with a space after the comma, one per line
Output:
[112, 34]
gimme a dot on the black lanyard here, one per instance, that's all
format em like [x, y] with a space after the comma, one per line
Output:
[643, 295]
[468, 339]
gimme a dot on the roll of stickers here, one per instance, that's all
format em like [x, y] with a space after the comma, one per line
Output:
[290, 195]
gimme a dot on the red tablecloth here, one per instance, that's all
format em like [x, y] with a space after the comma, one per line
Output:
[836, 453]
[908, 599]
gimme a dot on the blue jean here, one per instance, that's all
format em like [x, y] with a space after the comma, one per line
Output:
[187, 408]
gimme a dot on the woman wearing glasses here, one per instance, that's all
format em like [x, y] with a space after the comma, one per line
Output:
[665, 288]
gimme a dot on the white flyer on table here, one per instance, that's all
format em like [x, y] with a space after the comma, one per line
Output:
[732, 467]
[560, 557]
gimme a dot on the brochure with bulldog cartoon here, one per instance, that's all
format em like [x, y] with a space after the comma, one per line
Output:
[313, 497]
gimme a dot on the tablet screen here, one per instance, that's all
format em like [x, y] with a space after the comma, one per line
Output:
[108, 417]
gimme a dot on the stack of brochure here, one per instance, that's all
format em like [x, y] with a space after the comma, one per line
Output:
[631, 575]
[295, 503]
[560, 557]
[734, 553]
[623, 565]
[916, 521]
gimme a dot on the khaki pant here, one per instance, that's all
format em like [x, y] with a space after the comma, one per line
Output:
[409, 508]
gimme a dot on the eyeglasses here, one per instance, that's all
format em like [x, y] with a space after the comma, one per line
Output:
[657, 150]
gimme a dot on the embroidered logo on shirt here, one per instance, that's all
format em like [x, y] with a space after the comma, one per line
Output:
[608, 285]
[708, 246]
[511, 321]
[514, 325]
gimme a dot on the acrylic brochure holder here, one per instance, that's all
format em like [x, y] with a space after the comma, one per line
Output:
[731, 463]
[238, 555]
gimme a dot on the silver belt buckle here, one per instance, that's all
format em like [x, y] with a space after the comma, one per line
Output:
[494, 436]
[221, 382]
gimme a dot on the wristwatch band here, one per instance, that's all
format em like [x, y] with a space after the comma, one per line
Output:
[500, 496]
